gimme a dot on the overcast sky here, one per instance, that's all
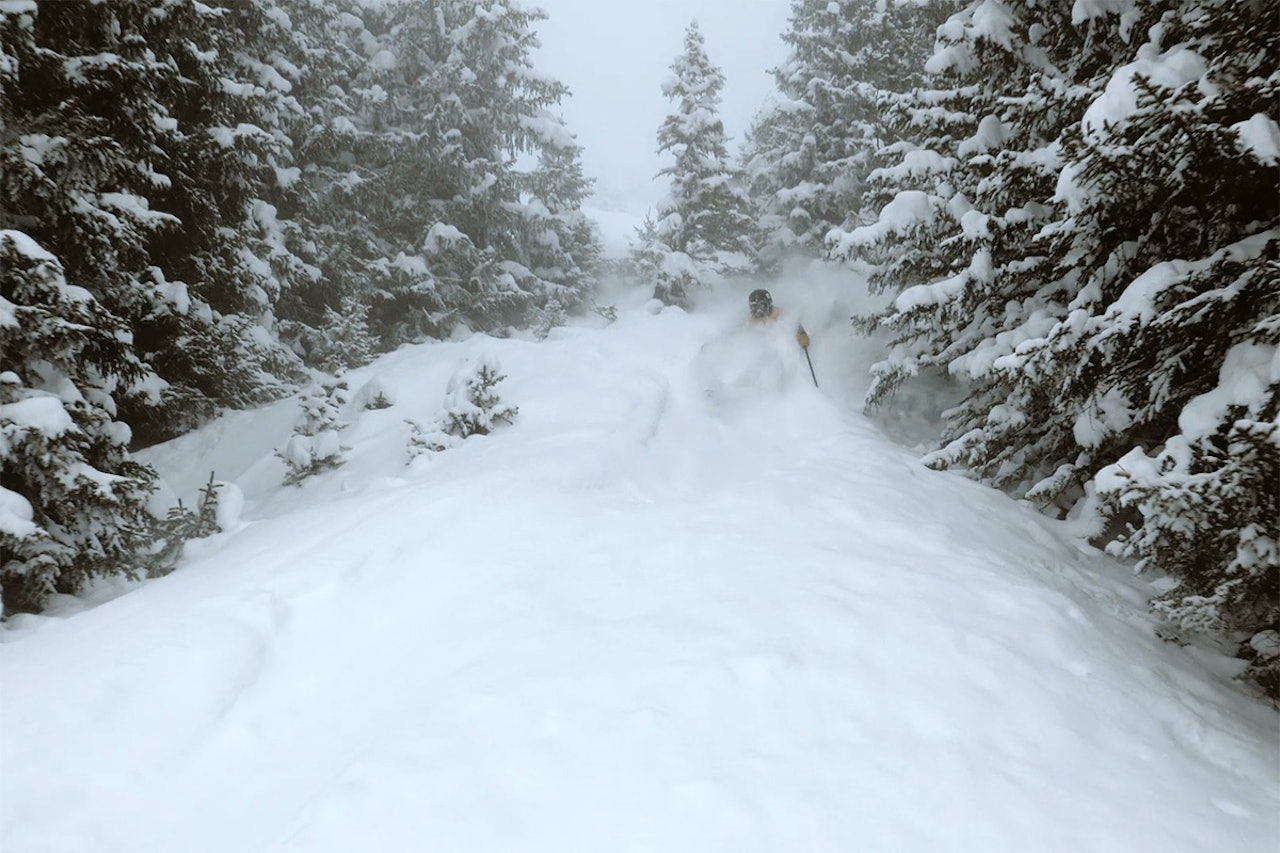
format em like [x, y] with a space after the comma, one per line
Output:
[614, 55]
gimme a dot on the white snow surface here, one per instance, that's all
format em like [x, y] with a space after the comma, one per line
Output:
[636, 619]
[1260, 136]
[1247, 371]
[909, 209]
[1172, 69]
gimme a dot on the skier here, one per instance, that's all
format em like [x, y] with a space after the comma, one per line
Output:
[764, 312]
[753, 358]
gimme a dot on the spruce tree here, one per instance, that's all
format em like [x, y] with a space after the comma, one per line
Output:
[810, 152]
[315, 231]
[705, 217]
[134, 153]
[72, 502]
[1087, 238]
[472, 406]
[559, 243]
[344, 341]
[434, 102]
[1174, 333]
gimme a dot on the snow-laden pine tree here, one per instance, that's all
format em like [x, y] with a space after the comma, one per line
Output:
[970, 190]
[343, 341]
[434, 103]
[558, 242]
[182, 524]
[1086, 235]
[73, 505]
[811, 149]
[1170, 355]
[315, 234]
[532, 221]
[133, 152]
[705, 218]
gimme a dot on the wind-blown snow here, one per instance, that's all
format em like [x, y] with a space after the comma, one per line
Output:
[635, 619]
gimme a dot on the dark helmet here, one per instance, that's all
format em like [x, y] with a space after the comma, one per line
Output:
[761, 304]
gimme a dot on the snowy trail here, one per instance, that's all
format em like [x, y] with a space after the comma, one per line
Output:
[633, 621]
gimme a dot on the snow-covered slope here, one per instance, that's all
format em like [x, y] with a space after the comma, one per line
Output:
[636, 619]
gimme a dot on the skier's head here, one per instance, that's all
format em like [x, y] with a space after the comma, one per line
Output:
[761, 303]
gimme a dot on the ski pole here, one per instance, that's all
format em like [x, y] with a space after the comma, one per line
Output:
[811, 373]
[802, 338]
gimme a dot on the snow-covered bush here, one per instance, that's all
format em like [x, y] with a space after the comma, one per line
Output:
[674, 276]
[544, 319]
[427, 437]
[315, 445]
[373, 395]
[379, 400]
[471, 403]
[677, 277]
[471, 407]
[182, 525]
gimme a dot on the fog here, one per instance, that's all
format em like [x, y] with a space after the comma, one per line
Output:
[614, 57]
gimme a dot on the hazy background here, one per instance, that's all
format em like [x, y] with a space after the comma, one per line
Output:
[614, 55]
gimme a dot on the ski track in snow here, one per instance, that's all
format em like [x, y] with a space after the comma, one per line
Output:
[635, 620]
